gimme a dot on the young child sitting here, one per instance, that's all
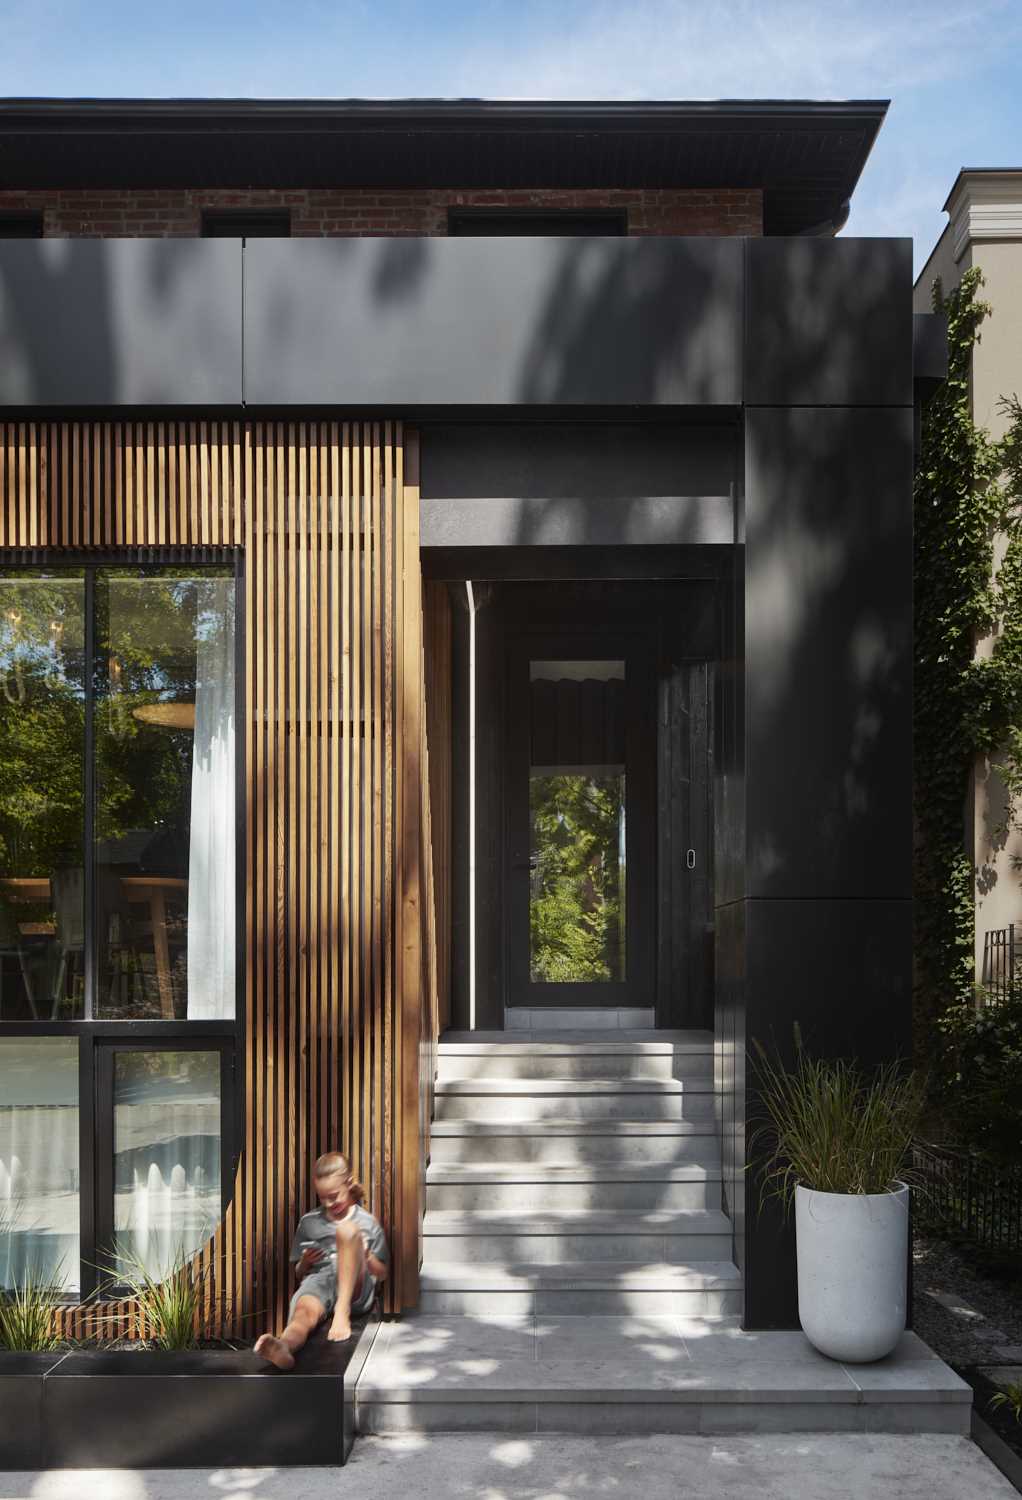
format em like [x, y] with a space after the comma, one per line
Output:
[339, 1254]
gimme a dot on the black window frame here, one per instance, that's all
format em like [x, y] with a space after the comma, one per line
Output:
[103, 1049]
[246, 223]
[18, 224]
[95, 1113]
[495, 222]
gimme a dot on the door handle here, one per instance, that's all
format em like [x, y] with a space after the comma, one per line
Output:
[690, 859]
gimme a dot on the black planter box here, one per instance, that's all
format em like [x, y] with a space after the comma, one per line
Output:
[205, 1409]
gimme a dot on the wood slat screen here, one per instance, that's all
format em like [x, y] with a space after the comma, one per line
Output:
[341, 919]
[121, 484]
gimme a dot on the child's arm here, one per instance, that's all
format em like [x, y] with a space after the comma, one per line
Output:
[376, 1267]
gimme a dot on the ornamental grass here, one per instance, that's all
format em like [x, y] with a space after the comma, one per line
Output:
[832, 1126]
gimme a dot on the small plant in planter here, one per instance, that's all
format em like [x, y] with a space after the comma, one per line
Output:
[27, 1315]
[1011, 1397]
[836, 1142]
[168, 1304]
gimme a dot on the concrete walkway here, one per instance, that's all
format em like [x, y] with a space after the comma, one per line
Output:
[852, 1467]
[629, 1375]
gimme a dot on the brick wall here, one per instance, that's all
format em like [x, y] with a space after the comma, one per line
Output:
[367, 211]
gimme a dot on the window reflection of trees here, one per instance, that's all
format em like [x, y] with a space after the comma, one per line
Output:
[576, 907]
[151, 632]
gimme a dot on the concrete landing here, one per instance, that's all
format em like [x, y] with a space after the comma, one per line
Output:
[633, 1375]
[804, 1467]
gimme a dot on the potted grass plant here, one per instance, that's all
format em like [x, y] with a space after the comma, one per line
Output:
[834, 1141]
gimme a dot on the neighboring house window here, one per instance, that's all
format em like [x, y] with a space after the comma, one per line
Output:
[119, 915]
[249, 224]
[469, 221]
[17, 226]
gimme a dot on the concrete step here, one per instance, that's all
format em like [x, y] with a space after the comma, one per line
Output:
[528, 1186]
[513, 1099]
[635, 1375]
[581, 1287]
[576, 1017]
[552, 1236]
[616, 1141]
[564, 1060]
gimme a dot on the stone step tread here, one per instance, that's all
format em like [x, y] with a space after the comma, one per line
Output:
[625, 1357]
[575, 1221]
[683, 1129]
[579, 1276]
[540, 1087]
[471, 1046]
[557, 1172]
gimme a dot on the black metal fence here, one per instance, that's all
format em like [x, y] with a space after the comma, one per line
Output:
[958, 1191]
[999, 959]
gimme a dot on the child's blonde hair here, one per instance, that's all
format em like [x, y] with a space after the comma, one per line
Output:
[332, 1163]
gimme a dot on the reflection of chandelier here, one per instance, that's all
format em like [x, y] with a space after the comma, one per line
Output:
[166, 715]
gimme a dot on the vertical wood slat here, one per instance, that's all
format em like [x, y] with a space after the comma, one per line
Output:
[344, 945]
[437, 645]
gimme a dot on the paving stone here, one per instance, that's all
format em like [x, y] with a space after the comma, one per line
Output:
[956, 1305]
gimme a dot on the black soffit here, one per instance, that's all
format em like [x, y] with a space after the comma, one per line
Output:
[807, 157]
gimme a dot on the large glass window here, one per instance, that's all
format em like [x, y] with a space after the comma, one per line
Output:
[165, 797]
[42, 805]
[142, 924]
[577, 822]
[39, 1206]
[166, 1155]
[118, 916]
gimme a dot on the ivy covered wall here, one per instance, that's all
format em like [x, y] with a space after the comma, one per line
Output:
[968, 490]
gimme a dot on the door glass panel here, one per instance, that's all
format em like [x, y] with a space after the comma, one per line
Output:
[39, 1161]
[577, 854]
[165, 796]
[166, 1156]
[42, 739]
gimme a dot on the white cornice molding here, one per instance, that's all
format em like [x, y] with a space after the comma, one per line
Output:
[985, 207]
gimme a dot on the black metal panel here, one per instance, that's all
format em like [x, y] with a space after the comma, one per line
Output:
[525, 564]
[929, 346]
[730, 1064]
[828, 653]
[570, 462]
[541, 323]
[842, 970]
[120, 322]
[696, 520]
[21, 1407]
[828, 322]
[197, 1410]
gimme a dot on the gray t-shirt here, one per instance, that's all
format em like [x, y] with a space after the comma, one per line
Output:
[316, 1229]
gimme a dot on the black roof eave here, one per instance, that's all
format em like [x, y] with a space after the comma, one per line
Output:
[456, 112]
[805, 155]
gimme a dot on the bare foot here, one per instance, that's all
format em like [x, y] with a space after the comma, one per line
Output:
[276, 1351]
[340, 1329]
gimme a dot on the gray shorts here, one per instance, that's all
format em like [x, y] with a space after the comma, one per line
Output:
[322, 1284]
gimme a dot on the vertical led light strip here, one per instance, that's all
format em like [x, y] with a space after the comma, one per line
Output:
[471, 804]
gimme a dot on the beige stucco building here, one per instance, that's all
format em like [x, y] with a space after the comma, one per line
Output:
[984, 229]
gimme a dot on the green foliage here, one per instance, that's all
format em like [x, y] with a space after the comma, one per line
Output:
[967, 489]
[1011, 1397]
[576, 908]
[978, 1076]
[169, 1308]
[829, 1126]
[27, 1315]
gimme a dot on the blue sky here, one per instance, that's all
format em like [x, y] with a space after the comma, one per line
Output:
[951, 70]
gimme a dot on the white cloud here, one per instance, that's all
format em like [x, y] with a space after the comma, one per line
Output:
[691, 50]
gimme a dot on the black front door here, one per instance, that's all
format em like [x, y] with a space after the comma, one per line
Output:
[580, 830]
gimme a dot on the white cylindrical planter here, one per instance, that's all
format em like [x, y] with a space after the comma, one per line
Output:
[852, 1270]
